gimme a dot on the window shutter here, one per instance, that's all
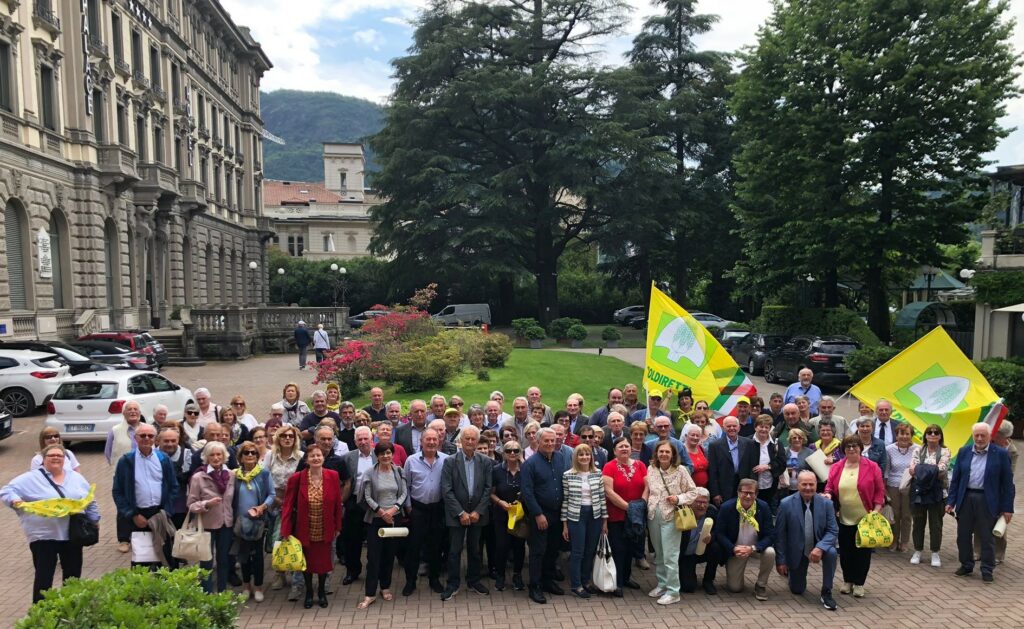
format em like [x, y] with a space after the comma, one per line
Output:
[15, 259]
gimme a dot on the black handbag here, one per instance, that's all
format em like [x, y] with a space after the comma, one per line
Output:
[81, 529]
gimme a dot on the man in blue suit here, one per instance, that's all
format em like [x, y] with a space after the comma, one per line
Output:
[980, 492]
[806, 532]
[743, 530]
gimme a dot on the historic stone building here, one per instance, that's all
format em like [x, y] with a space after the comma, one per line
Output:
[130, 175]
[328, 219]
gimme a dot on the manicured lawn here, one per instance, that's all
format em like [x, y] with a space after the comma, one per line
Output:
[556, 373]
[630, 337]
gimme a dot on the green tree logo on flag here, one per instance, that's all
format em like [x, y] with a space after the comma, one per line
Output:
[679, 346]
[935, 393]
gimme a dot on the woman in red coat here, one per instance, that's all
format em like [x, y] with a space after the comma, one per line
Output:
[314, 496]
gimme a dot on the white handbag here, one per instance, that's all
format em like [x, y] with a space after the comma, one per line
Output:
[143, 550]
[604, 575]
[191, 542]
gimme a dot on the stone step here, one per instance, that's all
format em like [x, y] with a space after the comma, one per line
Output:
[177, 361]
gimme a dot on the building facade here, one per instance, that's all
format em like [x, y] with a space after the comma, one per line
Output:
[130, 174]
[329, 219]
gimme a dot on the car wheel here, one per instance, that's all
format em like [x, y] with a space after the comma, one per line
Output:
[750, 366]
[18, 401]
[769, 371]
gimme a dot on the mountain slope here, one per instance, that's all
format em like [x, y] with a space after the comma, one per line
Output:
[305, 120]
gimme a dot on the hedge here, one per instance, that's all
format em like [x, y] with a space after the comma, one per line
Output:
[860, 363]
[790, 321]
[1007, 378]
[999, 288]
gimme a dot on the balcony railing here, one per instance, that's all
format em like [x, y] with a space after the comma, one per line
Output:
[46, 17]
[122, 66]
[159, 93]
[140, 80]
[97, 47]
[180, 108]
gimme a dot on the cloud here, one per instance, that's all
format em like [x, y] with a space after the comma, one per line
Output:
[368, 37]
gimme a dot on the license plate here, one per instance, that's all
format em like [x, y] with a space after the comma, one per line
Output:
[80, 427]
[5, 424]
[841, 365]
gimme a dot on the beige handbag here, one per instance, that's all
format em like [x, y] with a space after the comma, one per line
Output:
[191, 542]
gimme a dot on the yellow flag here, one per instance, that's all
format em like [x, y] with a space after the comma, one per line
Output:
[682, 353]
[932, 382]
[58, 507]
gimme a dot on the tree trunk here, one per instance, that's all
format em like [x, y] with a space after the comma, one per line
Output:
[878, 299]
[547, 292]
[506, 300]
[831, 286]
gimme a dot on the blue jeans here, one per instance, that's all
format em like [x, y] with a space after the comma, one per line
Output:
[583, 535]
[220, 541]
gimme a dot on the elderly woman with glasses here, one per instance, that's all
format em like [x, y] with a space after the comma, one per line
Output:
[702, 417]
[244, 417]
[506, 490]
[51, 437]
[254, 496]
[190, 426]
[211, 494]
[591, 436]
[933, 460]
[281, 462]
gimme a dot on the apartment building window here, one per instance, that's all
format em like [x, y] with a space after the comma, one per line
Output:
[327, 241]
[115, 29]
[343, 179]
[202, 111]
[6, 78]
[202, 172]
[48, 97]
[140, 138]
[158, 144]
[238, 186]
[154, 67]
[216, 183]
[228, 189]
[178, 165]
[137, 63]
[99, 130]
[238, 138]
[122, 124]
[175, 83]
[213, 121]
[295, 246]
[227, 131]
[95, 23]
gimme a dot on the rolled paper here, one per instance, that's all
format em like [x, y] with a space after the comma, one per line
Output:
[816, 461]
[1000, 528]
[393, 531]
[704, 531]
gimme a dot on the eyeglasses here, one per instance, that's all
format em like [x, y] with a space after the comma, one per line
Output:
[507, 451]
[192, 413]
[458, 404]
[250, 453]
[747, 493]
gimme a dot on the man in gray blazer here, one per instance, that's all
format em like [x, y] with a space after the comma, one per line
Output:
[353, 529]
[797, 546]
[466, 490]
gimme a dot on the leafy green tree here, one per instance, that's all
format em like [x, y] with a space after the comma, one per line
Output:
[498, 140]
[861, 122]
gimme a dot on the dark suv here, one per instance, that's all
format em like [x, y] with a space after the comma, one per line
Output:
[825, 356]
[136, 340]
[751, 350]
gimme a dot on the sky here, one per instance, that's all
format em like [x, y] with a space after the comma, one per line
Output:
[346, 46]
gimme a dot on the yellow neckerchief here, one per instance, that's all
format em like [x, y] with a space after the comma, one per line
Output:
[247, 478]
[58, 507]
[830, 448]
[750, 515]
[336, 407]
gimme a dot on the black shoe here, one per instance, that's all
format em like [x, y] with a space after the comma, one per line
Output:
[593, 589]
[710, 589]
[633, 585]
[987, 577]
[449, 593]
[559, 575]
[349, 579]
[499, 584]
[436, 587]
[552, 588]
[492, 574]
[618, 593]
[234, 579]
[827, 601]
[308, 603]
[582, 593]
[409, 589]
[963, 572]
[537, 596]
[517, 583]
[322, 601]
[479, 588]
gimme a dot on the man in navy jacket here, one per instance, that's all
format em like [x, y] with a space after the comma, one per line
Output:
[144, 482]
[743, 530]
[542, 494]
[797, 546]
[980, 492]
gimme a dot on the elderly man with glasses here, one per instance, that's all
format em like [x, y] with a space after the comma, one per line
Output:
[144, 486]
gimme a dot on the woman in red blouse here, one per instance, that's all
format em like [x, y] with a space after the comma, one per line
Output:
[692, 436]
[312, 513]
[623, 483]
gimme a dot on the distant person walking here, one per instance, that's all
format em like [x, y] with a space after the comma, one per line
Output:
[302, 341]
[321, 343]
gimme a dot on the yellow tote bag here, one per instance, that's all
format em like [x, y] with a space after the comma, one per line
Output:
[873, 531]
[516, 514]
[288, 555]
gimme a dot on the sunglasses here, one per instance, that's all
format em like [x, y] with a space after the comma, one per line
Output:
[512, 451]
[933, 432]
[286, 436]
[250, 453]
[586, 436]
[192, 413]
[238, 404]
[147, 436]
[458, 404]
[49, 437]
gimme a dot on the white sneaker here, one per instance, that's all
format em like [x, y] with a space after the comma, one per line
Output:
[258, 596]
[916, 557]
[936, 562]
[668, 599]
[656, 592]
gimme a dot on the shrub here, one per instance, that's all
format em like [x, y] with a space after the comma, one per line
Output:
[736, 325]
[495, 349]
[425, 364]
[861, 362]
[135, 598]
[535, 333]
[790, 321]
[560, 327]
[999, 288]
[483, 375]
[576, 332]
[610, 334]
[520, 326]
[1007, 378]
[348, 365]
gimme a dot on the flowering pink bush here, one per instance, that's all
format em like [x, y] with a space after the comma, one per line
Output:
[346, 365]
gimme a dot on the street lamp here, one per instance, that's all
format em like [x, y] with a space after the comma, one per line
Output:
[340, 282]
[252, 277]
[280, 273]
[967, 274]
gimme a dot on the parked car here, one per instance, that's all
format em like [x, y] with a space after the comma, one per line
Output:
[638, 322]
[826, 356]
[623, 316]
[116, 355]
[76, 362]
[6, 423]
[729, 337]
[464, 314]
[28, 379]
[709, 320]
[750, 351]
[357, 321]
[86, 407]
[134, 341]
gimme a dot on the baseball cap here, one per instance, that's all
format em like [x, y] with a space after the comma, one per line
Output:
[655, 393]
[452, 411]
[743, 400]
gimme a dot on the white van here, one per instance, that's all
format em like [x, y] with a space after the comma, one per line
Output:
[465, 314]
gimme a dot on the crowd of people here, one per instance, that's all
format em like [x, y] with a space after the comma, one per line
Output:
[475, 494]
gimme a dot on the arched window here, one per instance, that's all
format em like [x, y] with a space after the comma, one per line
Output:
[60, 253]
[19, 256]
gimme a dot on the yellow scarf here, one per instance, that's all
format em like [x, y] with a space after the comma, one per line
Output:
[830, 448]
[750, 515]
[247, 478]
[58, 507]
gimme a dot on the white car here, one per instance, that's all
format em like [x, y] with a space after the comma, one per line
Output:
[87, 406]
[710, 321]
[28, 379]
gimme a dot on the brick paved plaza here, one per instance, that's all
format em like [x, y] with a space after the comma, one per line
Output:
[898, 594]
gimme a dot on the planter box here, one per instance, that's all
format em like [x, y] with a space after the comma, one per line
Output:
[176, 324]
[612, 344]
[535, 344]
